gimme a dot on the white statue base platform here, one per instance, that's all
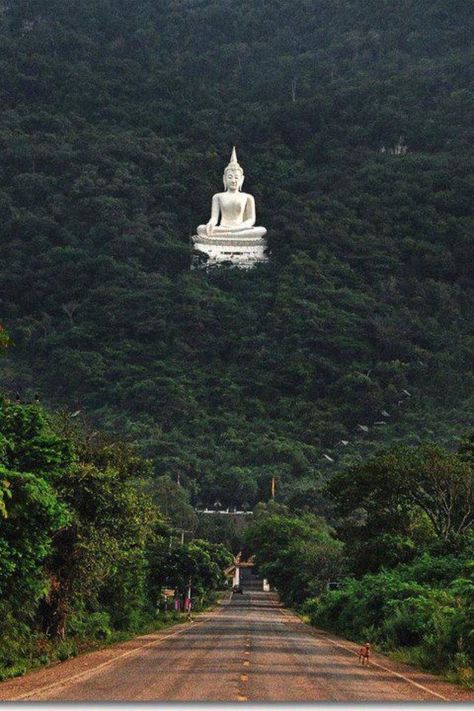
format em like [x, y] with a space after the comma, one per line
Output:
[231, 250]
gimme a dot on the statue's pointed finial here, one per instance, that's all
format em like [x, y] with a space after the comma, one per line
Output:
[234, 163]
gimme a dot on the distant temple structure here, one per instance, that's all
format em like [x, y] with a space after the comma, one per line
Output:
[230, 237]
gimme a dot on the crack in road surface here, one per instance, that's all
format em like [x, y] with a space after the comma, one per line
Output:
[250, 650]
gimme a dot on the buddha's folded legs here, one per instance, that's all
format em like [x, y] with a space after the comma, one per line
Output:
[245, 232]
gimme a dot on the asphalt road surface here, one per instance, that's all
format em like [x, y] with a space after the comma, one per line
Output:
[250, 649]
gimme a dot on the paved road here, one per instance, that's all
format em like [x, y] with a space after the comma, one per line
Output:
[249, 650]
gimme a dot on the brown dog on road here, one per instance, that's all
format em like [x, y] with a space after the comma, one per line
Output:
[364, 654]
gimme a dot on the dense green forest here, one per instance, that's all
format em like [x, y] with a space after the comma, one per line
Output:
[117, 121]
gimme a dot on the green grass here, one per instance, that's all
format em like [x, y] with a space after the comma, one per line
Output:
[461, 672]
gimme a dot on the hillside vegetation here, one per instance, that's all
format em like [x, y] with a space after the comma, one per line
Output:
[117, 121]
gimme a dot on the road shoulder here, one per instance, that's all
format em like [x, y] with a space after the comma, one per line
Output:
[442, 690]
[20, 688]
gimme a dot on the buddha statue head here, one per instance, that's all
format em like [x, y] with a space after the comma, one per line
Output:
[233, 174]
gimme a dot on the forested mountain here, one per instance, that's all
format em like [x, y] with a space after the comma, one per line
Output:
[117, 119]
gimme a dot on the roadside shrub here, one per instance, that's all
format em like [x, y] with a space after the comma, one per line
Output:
[403, 629]
[16, 641]
[310, 607]
[91, 625]
[66, 649]
[434, 620]
[435, 570]
[461, 670]
[367, 602]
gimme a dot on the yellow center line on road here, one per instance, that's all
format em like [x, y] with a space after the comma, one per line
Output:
[375, 664]
[109, 662]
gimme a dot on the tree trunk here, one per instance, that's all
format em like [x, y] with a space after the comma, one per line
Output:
[54, 610]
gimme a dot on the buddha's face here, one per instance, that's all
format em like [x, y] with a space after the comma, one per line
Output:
[233, 179]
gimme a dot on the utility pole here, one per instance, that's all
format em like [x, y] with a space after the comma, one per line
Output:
[189, 600]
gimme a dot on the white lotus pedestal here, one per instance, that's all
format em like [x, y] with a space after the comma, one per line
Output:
[233, 250]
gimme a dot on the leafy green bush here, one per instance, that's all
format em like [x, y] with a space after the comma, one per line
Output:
[433, 618]
[17, 643]
[90, 625]
[66, 649]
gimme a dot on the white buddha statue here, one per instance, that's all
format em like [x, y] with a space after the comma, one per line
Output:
[233, 212]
